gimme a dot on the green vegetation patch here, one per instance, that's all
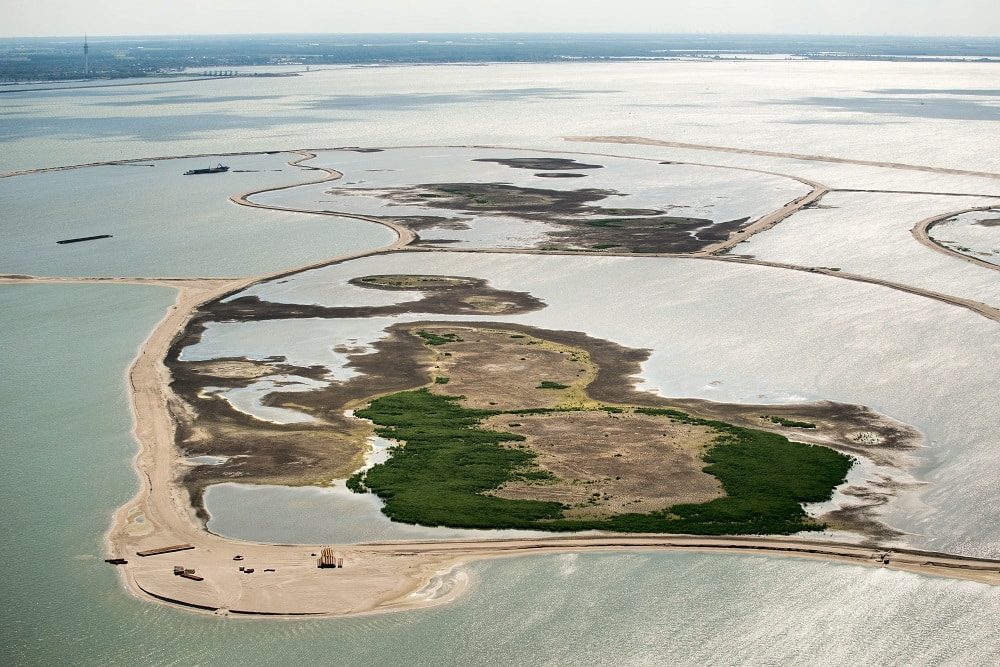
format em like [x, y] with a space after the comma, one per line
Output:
[440, 476]
[432, 338]
[549, 384]
[790, 423]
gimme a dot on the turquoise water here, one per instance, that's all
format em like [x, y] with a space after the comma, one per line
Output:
[67, 451]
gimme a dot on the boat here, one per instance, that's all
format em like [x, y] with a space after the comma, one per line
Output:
[210, 170]
[85, 238]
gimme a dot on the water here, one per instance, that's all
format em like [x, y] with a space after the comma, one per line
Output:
[975, 234]
[846, 109]
[315, 515]
[873, 239]
[694, 191]
[248, 399]
[65, 430]
[164, 223]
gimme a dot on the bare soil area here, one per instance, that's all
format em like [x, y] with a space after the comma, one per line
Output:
[504, 369]
[605, 463]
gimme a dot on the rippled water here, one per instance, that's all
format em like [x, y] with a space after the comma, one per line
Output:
[869, 234]
[902, 112]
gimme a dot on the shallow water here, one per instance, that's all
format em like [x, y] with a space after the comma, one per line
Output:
[811, 338]
[973, 234]
[869, 234]
[166, 224]
[719, 194]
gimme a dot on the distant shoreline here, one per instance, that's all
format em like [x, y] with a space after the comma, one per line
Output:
[60, 58]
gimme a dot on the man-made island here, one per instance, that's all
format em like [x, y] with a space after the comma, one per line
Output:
[502, 425]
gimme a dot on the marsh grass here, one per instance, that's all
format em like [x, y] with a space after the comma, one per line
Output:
[442, 474]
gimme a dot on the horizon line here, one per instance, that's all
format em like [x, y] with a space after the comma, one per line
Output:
[504, 33]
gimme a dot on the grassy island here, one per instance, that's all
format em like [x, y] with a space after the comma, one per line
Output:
[503, 425]
[444, 474]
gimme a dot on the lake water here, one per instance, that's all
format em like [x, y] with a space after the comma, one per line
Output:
[65, 430]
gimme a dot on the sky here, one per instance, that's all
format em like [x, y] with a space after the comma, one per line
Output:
[44, 18]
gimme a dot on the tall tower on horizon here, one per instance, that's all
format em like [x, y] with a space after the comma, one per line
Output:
[86, 56]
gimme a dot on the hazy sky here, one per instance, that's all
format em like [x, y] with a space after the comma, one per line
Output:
[25, 18]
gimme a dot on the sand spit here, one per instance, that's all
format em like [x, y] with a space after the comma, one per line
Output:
[283, 580]
[921, 232]
[644, 141]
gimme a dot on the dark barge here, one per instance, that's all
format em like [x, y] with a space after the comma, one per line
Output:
[210, 170]
[86, 238]
[165, 550]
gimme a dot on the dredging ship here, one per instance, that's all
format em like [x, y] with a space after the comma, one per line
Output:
[210, 170]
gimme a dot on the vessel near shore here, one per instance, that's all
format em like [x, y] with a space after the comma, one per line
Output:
[85, 238]
[210, 170]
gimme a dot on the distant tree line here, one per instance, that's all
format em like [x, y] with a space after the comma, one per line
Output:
[23, 59]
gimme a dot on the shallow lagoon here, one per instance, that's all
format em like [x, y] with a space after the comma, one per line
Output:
[869, 234]
[696, 191]
[976, 234]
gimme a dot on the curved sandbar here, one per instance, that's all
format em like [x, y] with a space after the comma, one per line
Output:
[921, 231]
[645, 141]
